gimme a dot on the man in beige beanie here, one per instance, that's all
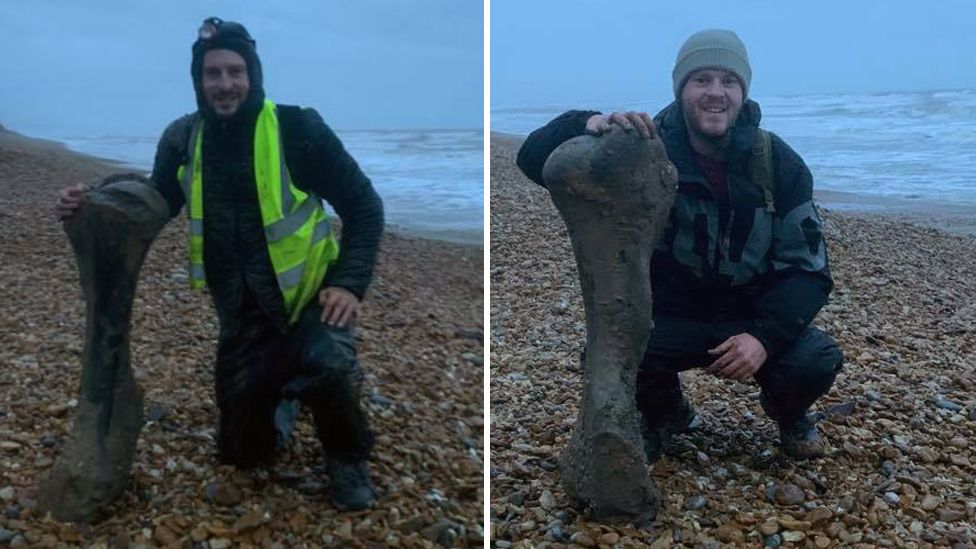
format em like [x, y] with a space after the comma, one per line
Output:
[742, 270]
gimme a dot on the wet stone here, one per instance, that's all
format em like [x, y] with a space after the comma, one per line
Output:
[730, 533]
[568, 517]
[156, 412]
[223, 494]
[793, 536]
[696, 503]
[888, 468]
[926, 455]
[516, 498]
[930, 502]
[773, 541]
[950, 515]
[959, 460]
[818, 514]
[788, 493]
[790, 523]
[841, 411]
[945, 404]
[381, 400]
[444, 532]
[579, 538]
[556, 533]
[547, 500]
[706, 521]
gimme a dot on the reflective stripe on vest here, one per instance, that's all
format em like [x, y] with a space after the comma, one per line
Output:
[298, 232]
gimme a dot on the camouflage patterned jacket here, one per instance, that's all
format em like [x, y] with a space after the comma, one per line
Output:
[767, 267]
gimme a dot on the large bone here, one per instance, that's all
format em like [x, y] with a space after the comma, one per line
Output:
[615, 193]
[110, 233]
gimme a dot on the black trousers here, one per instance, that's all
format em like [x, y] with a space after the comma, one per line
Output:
[258, 367]
[790, 381]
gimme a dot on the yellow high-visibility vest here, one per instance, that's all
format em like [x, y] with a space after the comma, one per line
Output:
[298, 231]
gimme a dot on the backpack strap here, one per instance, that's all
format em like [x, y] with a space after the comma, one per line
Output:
[761, 167]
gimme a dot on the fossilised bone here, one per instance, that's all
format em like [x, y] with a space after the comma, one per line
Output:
[615, 194]
[110, 234]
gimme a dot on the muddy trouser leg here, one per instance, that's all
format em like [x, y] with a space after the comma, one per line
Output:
[248, 389]
[795, 378]
[329, 382]
[675, 344]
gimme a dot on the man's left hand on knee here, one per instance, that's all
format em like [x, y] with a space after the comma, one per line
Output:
[738, 357]
[339, 306]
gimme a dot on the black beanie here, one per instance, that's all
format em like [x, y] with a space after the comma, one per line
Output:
[216, 34]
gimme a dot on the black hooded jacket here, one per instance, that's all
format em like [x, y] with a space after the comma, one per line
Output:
[744, 263]
[235, 250]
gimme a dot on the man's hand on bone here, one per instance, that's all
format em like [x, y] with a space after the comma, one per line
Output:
[598, 124]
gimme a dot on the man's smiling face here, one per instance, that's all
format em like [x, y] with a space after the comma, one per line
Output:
[711, 100]
[225, 81]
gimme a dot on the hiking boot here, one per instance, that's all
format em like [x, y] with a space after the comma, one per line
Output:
[801, 440]
[684, 419]
[351, 490]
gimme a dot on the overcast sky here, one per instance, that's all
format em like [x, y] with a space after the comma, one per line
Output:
[116, 67]
[546, 52]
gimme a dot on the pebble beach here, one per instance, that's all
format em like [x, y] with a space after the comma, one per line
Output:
[420, 347]
[900, 420]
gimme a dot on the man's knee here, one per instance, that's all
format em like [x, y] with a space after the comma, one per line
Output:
[818, 354]
[813, 361]
[331, 353]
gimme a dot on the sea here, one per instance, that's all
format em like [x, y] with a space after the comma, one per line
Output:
[907, 146]
[431, 181]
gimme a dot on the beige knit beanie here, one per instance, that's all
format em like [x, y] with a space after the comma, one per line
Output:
[716, 49]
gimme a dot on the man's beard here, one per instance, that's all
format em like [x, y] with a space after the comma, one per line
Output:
[693, 125]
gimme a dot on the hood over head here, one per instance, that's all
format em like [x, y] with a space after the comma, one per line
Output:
[217, 34]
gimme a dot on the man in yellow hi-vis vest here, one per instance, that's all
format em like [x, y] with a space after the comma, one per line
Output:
[252, 175]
